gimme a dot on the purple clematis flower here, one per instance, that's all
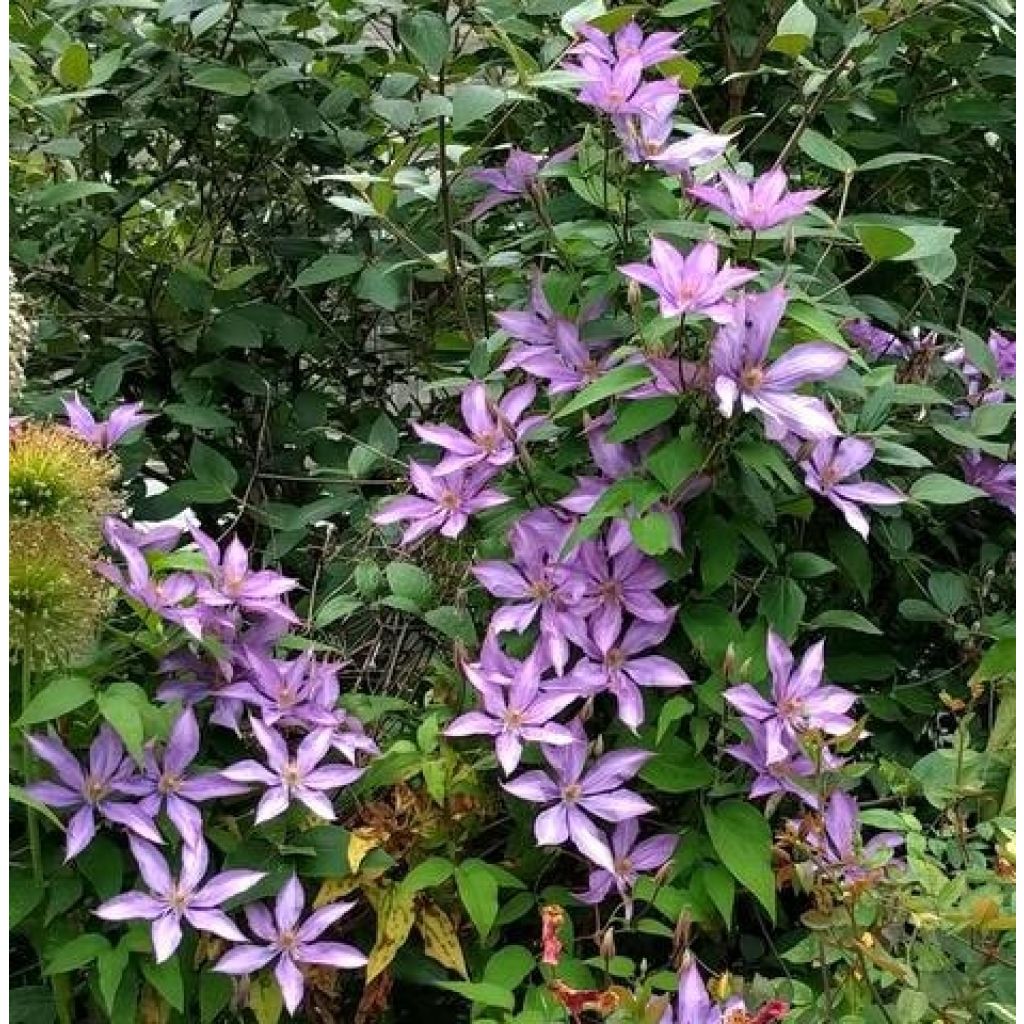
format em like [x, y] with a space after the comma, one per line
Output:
[799, 700]
[630, 858]
[875, 341]
[291, 943]
[611, 664]
[285, 777]
[689, 284]
[575, 794]
[833, 471]
[628, 41]
[169, 787]
[540, 583]
[759, 204]
[979, 388]
[187, 898]
[104, 433]
[838, 844]
[740, 370]
[694, 1006]
[996, 478]
[518, 178]
[794, 775]
[515, 711]
[110, 777]
[494, 429]
[447, 502]
[619, 89]
[613, 584]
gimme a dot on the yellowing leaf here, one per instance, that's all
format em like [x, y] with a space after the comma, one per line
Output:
[395, 918]
[335, 889]
[360, 843]
[265, 999]
[440, 940]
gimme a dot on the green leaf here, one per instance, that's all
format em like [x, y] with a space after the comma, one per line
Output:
[509, 967]
[897, 159]
[102, 864]
[479, 894]
[433, 871]
[23, 896]
[214, 995]
[743, 841]
[822, 324]
[841, 619]
[673, 463]
[677, 768]
[166, 979]
[719, 553]
[335, 607]
[915, 610]
[72, 68]
[69, 192]
[795, 30]
[228, 81]
[58, 697]
[427, 37]
[74, 954]
[409, 582]
[782, 604]
[267, 117]
[882, 243]
[991, 419]
[110, 967]
[639, 417]
[939, 489]
[825, 152]
[614, 382]
[652, 533]
[200, 417]
[481, 992]
[455, 623]
[382, 285]
[806, 565]
[721, 888]
[121, 705]
[472, 102]
[212, 468]
[329, 268]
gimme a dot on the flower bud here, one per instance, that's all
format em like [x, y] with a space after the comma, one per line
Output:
[607, 946]
[729, 661]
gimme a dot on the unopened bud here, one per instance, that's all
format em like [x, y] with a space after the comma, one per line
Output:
[744, 672]
[607, 947]
[729, 661]
[681, 936]
[587, 711]
[598, 746]
[634, 296]
[663, 873]
[789, 244]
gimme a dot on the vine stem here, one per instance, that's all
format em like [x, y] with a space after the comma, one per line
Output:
[34, 846]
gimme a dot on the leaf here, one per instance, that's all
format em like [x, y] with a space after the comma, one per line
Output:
[23, 897]
[329, 268]
[166, 979]
[472, 102]
[841, 619]
[673, 463]
[69, 192]
[897, 159]
[212, 468]
[201, 417]
[77, 953]
[882, 243]
[992, 418]
[454, 623]
[57, 698]
[509, 967]
[639, 417]
[719, 554]
[652, 533]
[427, 37]
[614, 382]
[743, 841]
[381, 285]
[102, 864]
[782, 604]
[409, 582]
[721, 888]
[478, 891]
[433, 871]
[939, 489]
[440, 940]
[72, 68]
[110, 967]
[806, 565]
[825, 152]
[795, 30]
[228, 81]
[215, 991]
[482, 992]
[395, 918]
[206, 19]
[267, 117]
[122, 704]
[265, 999]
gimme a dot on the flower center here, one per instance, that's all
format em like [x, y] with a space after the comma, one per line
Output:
[291, 776]
[623, 866]
[169, 783]
[513, 719]
[449, 501]
[611, 590]
[829, 476]
[178, 899]
[615, 658]
[541, 590]
[572, 793]
[686, 291]
[752, 378]
[488, 440]
[95, 789]
[288, 940]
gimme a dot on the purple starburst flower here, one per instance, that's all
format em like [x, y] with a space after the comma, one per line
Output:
[875, 341]
[104, 433]
[689, 284]
[740, 370]
[628, 41]
[515, 711]
[284, 777]
[575, 794]
[694, 1006]
[833, 471]
[187, 898]
[759, 204]
[996, 478]
[630, 858]
[611, 664]
[291, 943]
[518, 178]
[799, 701]
[446, 504]
[619, 88]
[100, 789]
[838, 847]
[494, 430]
[794, 775]
[169, 787]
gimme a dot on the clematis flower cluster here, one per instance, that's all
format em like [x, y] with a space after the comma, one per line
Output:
[229, 617]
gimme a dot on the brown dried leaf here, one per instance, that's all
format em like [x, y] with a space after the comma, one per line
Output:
[440, 940]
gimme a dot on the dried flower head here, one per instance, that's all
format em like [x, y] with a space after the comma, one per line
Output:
[20, 327]
[55, 597]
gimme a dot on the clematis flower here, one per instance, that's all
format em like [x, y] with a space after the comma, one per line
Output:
[291, 944]
[799, 701]
[875, 341]
[979, 388]
[759, 204]
[574, 794]
[518, 178]
[613, 584]
[98, 790]
[285, 777]
[795, 774]
[446, 505]
[838, 844]
[833, 471]
[694, 1006]
[996, 478]
[516, 710]
[689, 284]
[168, 786]
[628, 41]
[187, 898]
[539, 324]
[630, 858]
[618, 88]
[540, 583]
[740, 370]
[494, 429]
[104, 433]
